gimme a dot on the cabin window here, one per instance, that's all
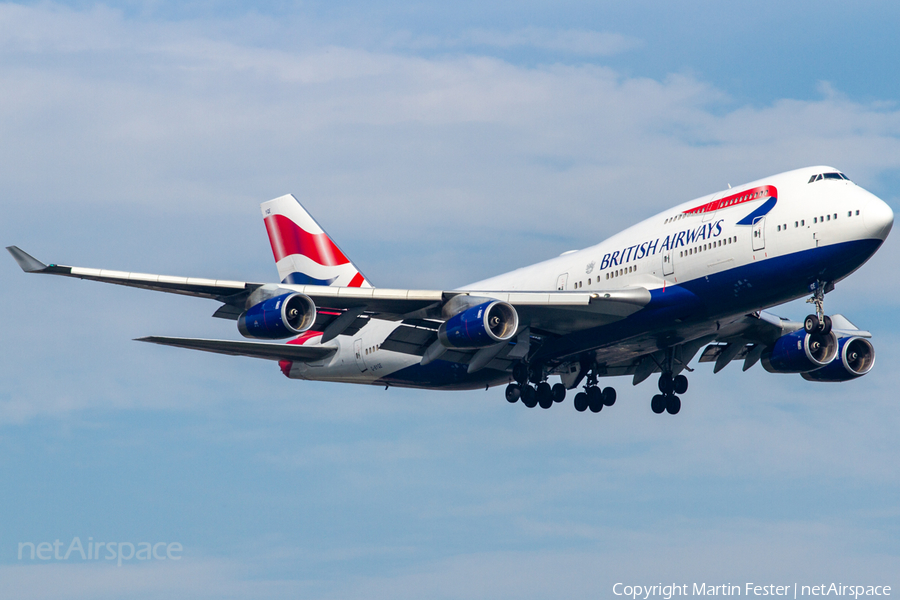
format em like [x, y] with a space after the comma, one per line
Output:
[835, 216]
[796, 224]
[857, 213]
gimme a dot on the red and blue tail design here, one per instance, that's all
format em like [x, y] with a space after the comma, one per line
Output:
[304, 253]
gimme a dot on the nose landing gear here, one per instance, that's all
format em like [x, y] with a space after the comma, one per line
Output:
[819, 322]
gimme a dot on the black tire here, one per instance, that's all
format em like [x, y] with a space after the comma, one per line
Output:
[536, 375]
[559, 392]
[665, 383]
[595, 399]
[680, 384]
[609, 396]
[673, 404]
[520, 373]
[658, 404]
[529, 396]
[581, 401]
[544, 395]
[513, 393]
[811, 324]
[826, 325]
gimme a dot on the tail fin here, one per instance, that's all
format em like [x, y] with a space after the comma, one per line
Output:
[304, 253]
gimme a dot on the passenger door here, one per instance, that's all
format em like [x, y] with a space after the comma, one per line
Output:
[668, 263]
[759, 233]
[358, 350]
[561, 282]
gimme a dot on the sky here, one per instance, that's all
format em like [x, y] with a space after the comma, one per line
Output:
[439, 144]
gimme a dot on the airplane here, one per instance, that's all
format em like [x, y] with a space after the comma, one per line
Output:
[642, 302]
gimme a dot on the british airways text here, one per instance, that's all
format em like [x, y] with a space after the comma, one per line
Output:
[706, 231]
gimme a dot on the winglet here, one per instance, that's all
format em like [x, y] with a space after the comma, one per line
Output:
[28, 263]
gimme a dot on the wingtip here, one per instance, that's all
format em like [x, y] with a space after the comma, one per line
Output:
[28, 263]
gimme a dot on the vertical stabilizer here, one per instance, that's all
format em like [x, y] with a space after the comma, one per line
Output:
[304, 253]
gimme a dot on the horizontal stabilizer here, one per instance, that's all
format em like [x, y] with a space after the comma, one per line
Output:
[265, 350]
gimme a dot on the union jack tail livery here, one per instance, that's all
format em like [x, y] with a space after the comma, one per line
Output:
[304, 253]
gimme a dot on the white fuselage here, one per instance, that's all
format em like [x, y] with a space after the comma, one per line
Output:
[706, 252]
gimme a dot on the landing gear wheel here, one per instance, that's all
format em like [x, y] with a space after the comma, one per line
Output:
[680, 384]
[520, 373]
[673, 404]
[826, 325]
[581, 401]
[529, 396]
[559, 392]
[544, 395]
[609, 396]
[811, 324]
[666, 383]
[536, 375]
[513, 393]
[595, 399]
[658, 404]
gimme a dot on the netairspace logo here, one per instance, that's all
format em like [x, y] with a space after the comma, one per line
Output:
[117, 551]
[667, 592]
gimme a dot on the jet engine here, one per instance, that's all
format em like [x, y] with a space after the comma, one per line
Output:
[799, 352]
[278, 317]
[480, 326]
[855, 358]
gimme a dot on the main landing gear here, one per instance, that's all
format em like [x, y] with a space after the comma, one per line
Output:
[541, 393]
[819, 322]
[593, 397]
[667, 400]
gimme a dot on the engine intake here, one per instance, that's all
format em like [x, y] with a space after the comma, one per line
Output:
[856, 357]
[279, 317]
[800, 352]
[480, 326]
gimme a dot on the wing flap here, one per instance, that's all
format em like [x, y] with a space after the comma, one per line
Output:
[263, 350]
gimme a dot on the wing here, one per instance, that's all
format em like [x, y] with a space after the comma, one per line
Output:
[292, 352]
[232, 293]
[552, 312]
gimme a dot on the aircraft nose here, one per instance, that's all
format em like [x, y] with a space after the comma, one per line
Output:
[879, 218]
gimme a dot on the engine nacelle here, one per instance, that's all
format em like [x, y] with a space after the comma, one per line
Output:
[480, 326]
[799, 352]
[278, 317]
[855, 358]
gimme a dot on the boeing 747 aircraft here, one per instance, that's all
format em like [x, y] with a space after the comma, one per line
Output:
[694, 279]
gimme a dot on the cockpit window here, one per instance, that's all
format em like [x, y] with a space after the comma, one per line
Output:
[821, 176]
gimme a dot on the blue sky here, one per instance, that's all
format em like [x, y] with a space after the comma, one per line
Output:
[143, 136]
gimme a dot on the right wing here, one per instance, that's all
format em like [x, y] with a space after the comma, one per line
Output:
[269, 351]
